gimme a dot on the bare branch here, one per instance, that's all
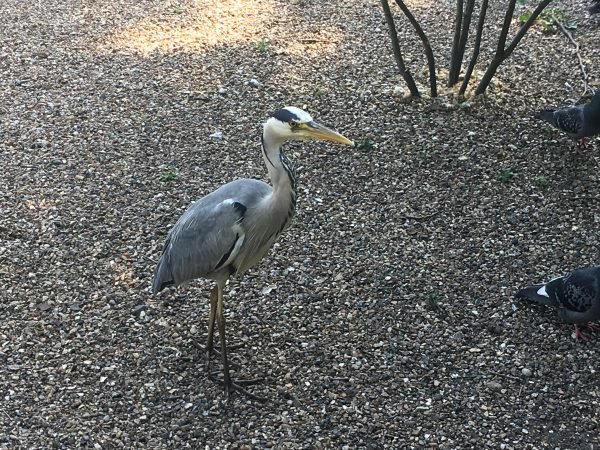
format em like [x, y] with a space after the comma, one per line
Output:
[408, 78]
[464, 35]
[476, 48]
[453, 73]
[503, 53]
[525, 27]
[505, 27]
[426, 45]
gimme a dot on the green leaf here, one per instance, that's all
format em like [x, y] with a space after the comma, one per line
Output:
[524, 17]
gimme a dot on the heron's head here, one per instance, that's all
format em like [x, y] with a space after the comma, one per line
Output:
[291, 123]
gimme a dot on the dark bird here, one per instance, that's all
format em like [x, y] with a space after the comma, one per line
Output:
[579, 121]
[576, 296]
[231, 229]
[595, 8]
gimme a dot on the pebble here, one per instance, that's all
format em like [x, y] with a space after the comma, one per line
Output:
[494, 386]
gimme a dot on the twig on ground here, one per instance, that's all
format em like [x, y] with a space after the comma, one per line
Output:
[503, 375]
[569, 36]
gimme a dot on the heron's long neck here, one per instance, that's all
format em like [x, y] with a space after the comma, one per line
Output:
[281, 171]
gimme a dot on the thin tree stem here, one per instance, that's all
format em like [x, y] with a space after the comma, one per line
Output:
[408, 78]
[464, 35]
[503, 53]
[454, 63]
[426, 45]
[476, 48]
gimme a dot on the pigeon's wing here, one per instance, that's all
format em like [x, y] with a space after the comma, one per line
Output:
[540, 293]
[570, 120]
[577, 297]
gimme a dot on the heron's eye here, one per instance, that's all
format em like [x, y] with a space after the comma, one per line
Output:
[294, 124]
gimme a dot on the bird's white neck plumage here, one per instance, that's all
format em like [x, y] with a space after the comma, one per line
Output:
[281, 173]
[281, 170]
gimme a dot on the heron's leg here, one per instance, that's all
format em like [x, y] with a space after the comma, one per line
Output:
[230, 385]
[210, 346]
[214, 296]
[221, 325]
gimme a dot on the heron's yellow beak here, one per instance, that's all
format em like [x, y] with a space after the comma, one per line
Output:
[313, 130]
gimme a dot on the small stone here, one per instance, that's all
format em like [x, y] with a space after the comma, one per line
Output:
[494, 386]
[458, 336]
[139, 309]
[526, 372]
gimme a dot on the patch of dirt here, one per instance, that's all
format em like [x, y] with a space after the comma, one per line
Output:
[389, 321]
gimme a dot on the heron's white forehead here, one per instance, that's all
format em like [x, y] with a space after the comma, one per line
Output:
[302, 115]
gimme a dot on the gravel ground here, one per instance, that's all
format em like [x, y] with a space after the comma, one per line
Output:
[384, 318]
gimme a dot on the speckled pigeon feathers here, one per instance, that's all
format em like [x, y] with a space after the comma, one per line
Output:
[576, 295]
[577, 121]
[595, 8]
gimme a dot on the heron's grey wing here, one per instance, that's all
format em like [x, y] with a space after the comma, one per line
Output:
[570, 120]
[203, 241]
[209, 233]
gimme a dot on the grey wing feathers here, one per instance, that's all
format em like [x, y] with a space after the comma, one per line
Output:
[207, 234]
[162, 274]
[570, 120]
[581, 297]
[539, 294]
[199, 240]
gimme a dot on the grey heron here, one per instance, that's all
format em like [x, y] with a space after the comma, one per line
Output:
[232, 228]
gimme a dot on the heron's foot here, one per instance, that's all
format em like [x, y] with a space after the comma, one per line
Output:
[235, 387]
[208, 352]
[238, 386]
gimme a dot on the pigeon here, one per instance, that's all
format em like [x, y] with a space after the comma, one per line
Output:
[575, 295]
[579, 121]
[595, 8]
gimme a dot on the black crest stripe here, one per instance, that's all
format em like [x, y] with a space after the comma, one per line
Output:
[284, 115]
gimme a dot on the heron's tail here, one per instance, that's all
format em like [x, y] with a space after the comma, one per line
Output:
[546, 115]
[162, 275]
